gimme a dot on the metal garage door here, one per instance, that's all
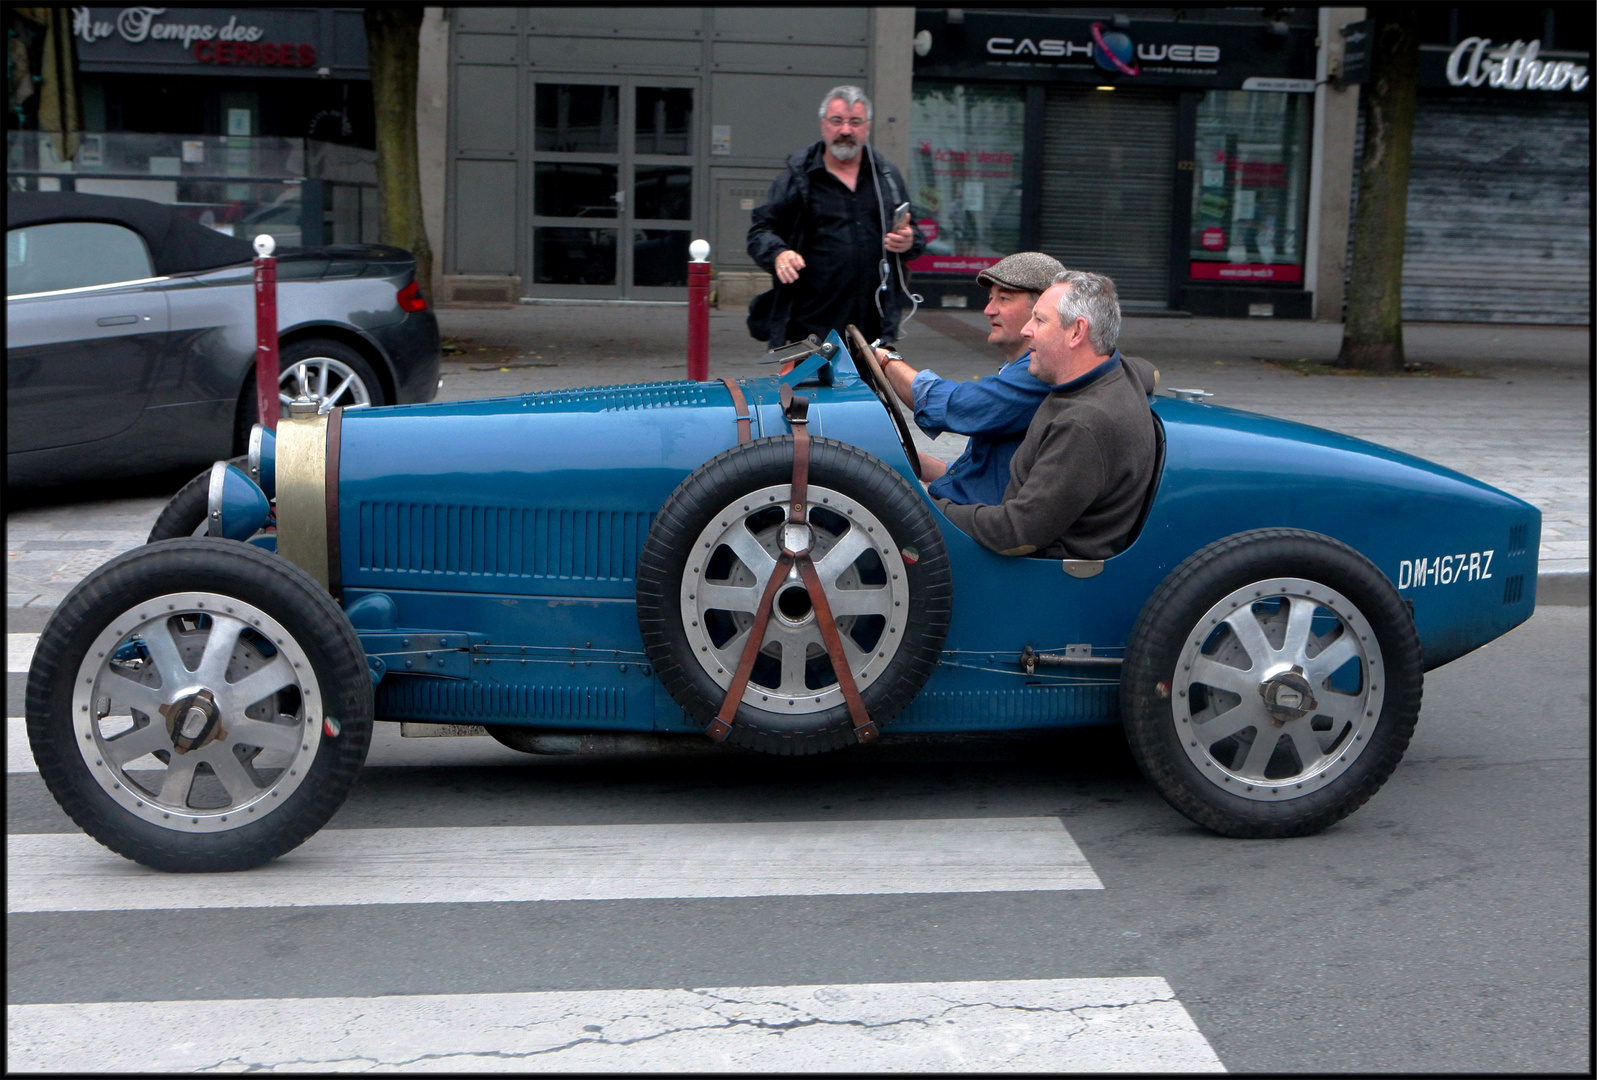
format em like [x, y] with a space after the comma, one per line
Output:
[1108, 160]
[1499, 211]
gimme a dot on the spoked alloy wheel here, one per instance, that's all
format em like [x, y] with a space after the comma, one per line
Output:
[325, 380]
[1271, 684]
[852, 552]
[199, 705]
[711, 553]
[197, 710]
[1283, 692]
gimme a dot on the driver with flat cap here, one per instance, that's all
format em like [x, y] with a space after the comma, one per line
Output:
[995, 410]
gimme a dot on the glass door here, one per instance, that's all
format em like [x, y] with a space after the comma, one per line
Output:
[613, 187]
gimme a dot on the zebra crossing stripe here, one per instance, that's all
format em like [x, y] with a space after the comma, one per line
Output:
[1033, 1025]
[71, 872]
[19, 652]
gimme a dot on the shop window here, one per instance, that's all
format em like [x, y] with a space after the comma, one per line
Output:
[576, 119]
[664, 117]
[965, 173]
[1250, 186]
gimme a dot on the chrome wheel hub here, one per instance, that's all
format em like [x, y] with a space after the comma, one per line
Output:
[1277, 689]
[197, 712]
[861, 570]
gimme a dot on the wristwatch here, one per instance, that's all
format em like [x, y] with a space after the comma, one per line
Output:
[893, 354]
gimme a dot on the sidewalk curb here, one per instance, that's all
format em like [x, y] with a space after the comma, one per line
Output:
[1564, 588]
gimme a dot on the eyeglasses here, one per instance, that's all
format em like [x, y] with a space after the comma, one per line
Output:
[845, 121]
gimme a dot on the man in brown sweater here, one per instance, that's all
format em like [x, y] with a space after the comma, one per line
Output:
[1078, 480]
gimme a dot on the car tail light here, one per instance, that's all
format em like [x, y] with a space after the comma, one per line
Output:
[411, 299]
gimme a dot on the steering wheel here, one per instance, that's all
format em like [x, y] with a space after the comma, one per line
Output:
[873, 376]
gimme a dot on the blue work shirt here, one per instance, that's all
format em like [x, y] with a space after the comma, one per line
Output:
[994, 411]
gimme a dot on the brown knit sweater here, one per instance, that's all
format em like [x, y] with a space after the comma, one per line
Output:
[1077, 482]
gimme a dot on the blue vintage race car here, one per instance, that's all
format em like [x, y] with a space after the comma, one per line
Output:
[756, 561]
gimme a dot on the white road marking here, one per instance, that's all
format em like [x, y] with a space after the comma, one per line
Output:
[1033, 1025]
[71, 872]
[19, 652]
[19, 755]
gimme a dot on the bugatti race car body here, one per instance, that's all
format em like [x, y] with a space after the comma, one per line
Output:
[756, 561]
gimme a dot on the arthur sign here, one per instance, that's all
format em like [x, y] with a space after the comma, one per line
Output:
[1511, 67]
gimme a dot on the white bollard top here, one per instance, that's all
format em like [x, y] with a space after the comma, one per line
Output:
[265, 244]
[699, 251]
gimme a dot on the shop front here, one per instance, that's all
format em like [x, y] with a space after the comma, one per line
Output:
[1171, 154]
[1499, 208]
[249, 120]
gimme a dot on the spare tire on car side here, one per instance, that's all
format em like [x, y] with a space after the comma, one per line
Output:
[882, 566]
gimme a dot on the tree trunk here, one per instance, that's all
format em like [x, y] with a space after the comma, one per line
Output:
[1372, 334]
[59, 105]
[393, 42]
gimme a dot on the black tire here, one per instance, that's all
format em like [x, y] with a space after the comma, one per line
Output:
[188, 511]
[311, 350]
[1332, 684]
[906, 571]
[103, 636]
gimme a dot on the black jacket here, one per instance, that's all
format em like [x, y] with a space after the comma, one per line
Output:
[782, 223]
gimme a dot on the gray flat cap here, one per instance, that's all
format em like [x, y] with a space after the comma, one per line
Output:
[1028, 271]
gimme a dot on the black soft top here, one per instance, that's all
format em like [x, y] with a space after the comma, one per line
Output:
[177, 244]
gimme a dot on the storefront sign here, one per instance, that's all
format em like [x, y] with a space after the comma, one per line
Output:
[1001, 45]
[259, 40]
[1225, 271]
[1511, 67]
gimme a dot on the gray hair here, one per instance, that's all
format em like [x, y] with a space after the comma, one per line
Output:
[1091, 297]
[850, 96]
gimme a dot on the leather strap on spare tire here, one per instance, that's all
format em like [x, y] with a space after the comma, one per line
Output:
[740, 406]
[796, 531]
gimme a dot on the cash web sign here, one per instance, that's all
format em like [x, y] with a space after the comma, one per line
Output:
[1110, 49]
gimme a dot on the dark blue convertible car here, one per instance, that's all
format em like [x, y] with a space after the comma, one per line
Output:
[754, 561]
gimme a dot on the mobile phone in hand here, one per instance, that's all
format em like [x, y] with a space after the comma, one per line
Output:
[900, 216]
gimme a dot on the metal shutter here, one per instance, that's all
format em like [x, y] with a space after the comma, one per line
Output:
[1499, 210]
[1108, 160]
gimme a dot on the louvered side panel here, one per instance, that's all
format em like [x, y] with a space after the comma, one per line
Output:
[637, 396]
[501, 541]
[974, 710]
[400, 698]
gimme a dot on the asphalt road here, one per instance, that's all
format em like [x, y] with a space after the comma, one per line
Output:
[1444, 927]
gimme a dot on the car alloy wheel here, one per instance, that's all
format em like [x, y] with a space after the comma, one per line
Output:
[196, 711]
[709, 557]
[325, 380]
[1277, 688]
[1272, 683]
[859, 565]
[199, 705]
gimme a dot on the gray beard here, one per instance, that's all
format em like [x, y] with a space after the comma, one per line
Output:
[844, 151]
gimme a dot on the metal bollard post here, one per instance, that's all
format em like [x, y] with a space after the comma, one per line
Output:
[266, 363]
[699, 311]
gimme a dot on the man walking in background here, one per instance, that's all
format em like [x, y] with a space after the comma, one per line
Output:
[993, 411]
[826, 232]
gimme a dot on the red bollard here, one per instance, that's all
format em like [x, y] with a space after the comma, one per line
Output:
[266, 363]
[699, 311]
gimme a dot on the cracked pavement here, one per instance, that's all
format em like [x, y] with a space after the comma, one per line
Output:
[1062, 1025]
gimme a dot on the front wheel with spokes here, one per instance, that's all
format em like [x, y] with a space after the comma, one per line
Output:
[1271, 684]
[199, 705]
